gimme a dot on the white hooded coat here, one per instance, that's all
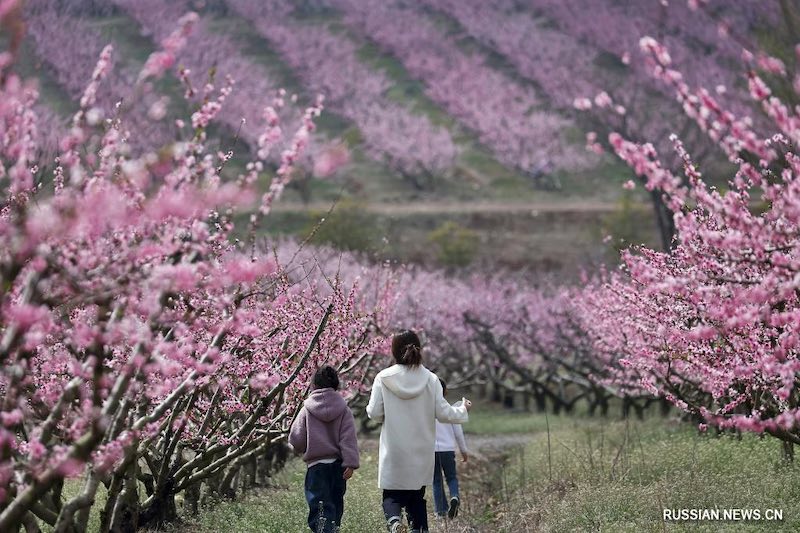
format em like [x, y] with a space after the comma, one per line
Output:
[408, 400]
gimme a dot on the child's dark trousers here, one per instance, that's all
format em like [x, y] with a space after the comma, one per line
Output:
[325, 488]
[445, 463]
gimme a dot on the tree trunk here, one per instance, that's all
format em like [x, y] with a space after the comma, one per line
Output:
[230, 481]
[788, 451]
[112, 496]
[665, 407]
[211, 492]
[541, 403]
[592, 407]
[262, 470]
[162, 510]
[496, 394]
[191, 499]
[125, 516]
[30, 524]
[604, 407]
[664, 220]
[508, 400]
[600, 401]
[249, 473]
[482, 391]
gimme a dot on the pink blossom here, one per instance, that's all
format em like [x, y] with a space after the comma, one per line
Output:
[244, 270]
[603, 99]
[582, 104]
[12, 418]
[25, 316]
[70, 468]
[771, 64]
[264, 381]
[758, 88]
[330, 160]
[7, 6]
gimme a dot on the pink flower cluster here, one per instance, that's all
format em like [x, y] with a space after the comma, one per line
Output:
[162, 60]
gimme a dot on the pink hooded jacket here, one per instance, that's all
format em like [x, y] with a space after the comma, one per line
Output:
[325, 429]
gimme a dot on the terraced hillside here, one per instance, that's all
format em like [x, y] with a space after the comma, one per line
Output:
[447, 121]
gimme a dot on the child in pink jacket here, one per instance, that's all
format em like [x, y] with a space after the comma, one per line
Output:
[325, 433]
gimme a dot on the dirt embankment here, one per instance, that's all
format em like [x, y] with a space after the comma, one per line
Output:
[456, 208]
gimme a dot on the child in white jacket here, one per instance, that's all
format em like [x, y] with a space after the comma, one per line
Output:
[407, 398]
[448, 437]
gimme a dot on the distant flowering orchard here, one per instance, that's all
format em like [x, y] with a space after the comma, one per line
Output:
[715, 325]
[71, 54]
[506, 115]
[326, 62]
[586, 56]
[204, 49]
[138, 341]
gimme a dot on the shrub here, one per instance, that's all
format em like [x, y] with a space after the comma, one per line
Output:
[348, 227]
[455, 245]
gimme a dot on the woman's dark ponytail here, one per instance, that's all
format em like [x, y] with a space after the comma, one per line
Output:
[412, 356]
[407, 349]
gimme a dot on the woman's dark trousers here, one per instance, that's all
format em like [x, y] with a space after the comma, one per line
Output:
[413, 501]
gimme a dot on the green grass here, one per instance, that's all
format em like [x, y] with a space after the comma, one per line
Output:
[284, 510]
[498, 421]
[596, 474]
[607, 475]
[618, 476]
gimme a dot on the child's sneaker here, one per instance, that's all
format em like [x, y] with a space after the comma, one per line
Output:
[452, 512]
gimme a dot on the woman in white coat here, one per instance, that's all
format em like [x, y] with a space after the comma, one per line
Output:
[408, 399]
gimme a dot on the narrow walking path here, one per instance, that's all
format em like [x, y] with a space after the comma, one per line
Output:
[282, 508]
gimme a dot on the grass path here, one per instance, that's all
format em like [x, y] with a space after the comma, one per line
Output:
[282, 508]
[595, 475]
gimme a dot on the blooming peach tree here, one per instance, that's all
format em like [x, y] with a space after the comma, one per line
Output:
[140, 341]
[713, 326]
